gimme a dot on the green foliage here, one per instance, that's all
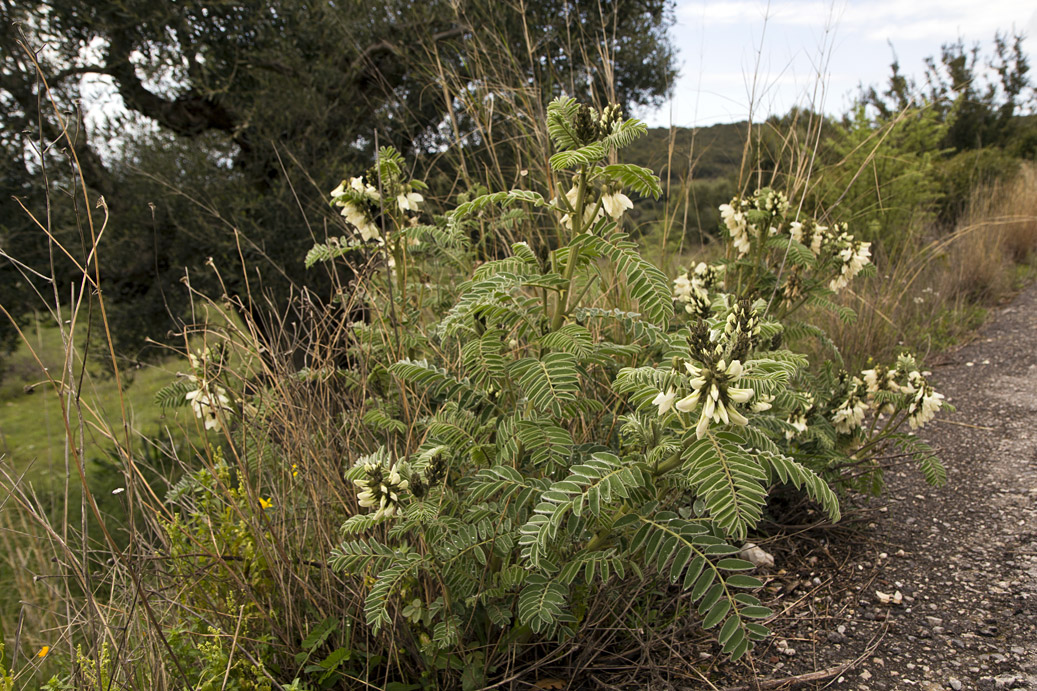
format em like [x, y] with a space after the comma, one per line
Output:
[647, 284]
[881, 176]
[568, 423]
[211, 161]
[551, 455]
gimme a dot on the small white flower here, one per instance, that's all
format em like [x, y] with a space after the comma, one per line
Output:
[682, 288]
[205, 406]
[688, 403]
[849, 415]
[762, 403]
[664, 401]
[818, 239]
[369, 191]
[799, 425]
[924, 407]
[854, 256]
[717, 400]
[369, 231]
[380, 489]
[738, 227]
[615, 204]
[796, 231]
[409, 201]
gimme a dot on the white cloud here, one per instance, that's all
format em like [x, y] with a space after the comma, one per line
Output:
[875, 19]
[723, 43]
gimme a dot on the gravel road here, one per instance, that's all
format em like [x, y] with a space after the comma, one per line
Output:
[963, 558]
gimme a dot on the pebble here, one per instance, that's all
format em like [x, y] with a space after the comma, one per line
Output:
[954, 684]
[756, 555]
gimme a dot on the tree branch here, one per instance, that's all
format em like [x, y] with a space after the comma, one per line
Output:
[189, 115]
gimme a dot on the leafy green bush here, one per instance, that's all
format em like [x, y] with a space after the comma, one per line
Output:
[559, 425]
[879, 175]
[960, 175]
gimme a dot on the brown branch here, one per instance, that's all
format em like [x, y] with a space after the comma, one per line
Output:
[189, 114]
[786, 682]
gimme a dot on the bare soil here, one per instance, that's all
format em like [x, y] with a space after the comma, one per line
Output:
[962, 557]
[919, 588]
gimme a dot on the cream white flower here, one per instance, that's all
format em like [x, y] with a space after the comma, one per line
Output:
[207, 406]
[850, 414]
[880, 379]
[380, 489]
[688, 403]
[615, 204]
[738, 227]
[796, 231]
[369, 191]
[369, 231]
[664, 401]
[682, 288]
[924, 406]
[799, 425]
[712, 388]
[692, 288]
[354, 215]
[762, 403]
[409, 201]
[854, 256]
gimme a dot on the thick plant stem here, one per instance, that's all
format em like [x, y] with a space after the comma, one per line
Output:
[562, 305]
[602, 535]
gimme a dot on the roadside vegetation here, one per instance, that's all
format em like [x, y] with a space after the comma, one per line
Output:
[508, 379]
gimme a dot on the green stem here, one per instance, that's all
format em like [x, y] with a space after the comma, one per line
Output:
[576, 218]
[602, 535]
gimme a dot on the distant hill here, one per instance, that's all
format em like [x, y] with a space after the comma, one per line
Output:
[715, 151]
[712, 156]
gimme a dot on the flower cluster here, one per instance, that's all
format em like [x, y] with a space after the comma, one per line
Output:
[356, 199]
[853, 255]
[849, 415]
[692, 288]
[714, 388]
[925, 402]
[879, 379]
[794, 287]
[590, 124]
[837, 251]
[884, 390]
[771, 201]
[742, 329]
[744, 218]
[380, 488]
[738, 226]
[810, 234]
[208, 399]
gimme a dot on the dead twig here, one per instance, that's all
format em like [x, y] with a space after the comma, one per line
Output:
[785, 682]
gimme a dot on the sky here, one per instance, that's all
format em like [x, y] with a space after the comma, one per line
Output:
[787, 44]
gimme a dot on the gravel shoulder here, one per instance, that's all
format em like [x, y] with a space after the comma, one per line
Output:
[963, 558]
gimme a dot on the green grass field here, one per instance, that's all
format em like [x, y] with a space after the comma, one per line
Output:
[32, 431]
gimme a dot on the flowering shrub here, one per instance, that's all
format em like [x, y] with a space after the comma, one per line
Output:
[576, 428]
[201, 389]
[569, 417]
